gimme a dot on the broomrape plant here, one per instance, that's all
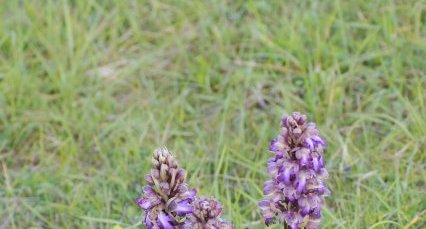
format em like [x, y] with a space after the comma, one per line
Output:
[168, 203]
[295, 192]
[293, 195]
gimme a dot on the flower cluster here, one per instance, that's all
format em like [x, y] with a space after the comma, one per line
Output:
[169, 204]
[166, 197]
[296, 191]
[206, 215]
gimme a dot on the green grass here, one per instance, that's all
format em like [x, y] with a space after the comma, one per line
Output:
[88, 89]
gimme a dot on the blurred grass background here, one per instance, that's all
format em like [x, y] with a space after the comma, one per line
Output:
[90, 88]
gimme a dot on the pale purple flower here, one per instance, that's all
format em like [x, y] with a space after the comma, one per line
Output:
[296, 191]
[166, 197]
[206, 215]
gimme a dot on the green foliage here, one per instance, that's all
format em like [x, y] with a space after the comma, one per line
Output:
[88, 89]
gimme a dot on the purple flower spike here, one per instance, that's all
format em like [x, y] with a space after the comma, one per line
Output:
[166, 197]
[296, 191]
[206, 215]
[167, 202]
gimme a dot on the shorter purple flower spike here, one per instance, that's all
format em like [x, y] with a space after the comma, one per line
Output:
[206, 215]
[166, 197]
[296, 191]
[167, 202]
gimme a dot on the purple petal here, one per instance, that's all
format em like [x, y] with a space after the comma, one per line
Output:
[269, 221]
[267, 190]
[148, 199]
[183, 208]
[264, 203]
[147, 221]
[144, 203]
[309, 143]
[192, 194]
[165, 187]
[305, 211]
[318, 140]
[268, 187]
[302, 154]
[272, 168]
[285, 176]
[148, 190]
[272, 146]
[315, 163]
[294, 226]
[301, 185]
[321, 162]
[165, 221]
[149, 179]
[304, 160]
[284, 118]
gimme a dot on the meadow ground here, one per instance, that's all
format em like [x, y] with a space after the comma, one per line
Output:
[90, 88]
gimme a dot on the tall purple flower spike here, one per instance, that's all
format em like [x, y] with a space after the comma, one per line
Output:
[166, 197]
[206, 215]
[296, 191]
